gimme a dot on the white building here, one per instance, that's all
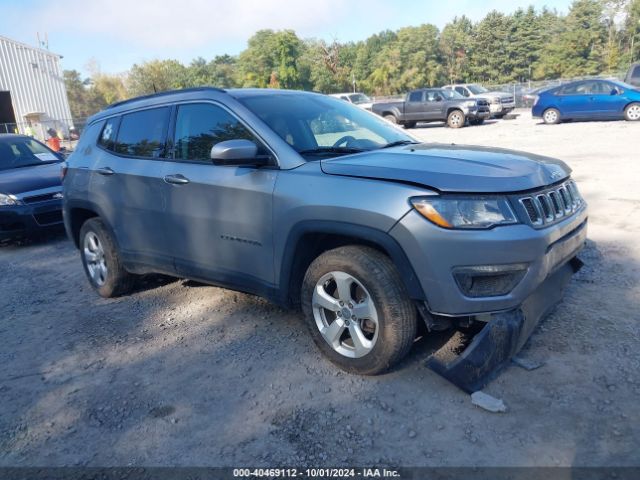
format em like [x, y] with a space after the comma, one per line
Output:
[33, 97]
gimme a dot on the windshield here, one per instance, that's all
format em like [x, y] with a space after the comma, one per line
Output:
[450, 94]
[476, 89]
[18, 152]
[359, 98]
[311, 123]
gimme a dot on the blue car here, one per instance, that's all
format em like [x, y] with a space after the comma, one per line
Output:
[30, 187]
[588, 100]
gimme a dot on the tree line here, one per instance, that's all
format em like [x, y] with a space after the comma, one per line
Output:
[594, 37]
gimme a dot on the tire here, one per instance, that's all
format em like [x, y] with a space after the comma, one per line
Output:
[551, 116]
[105, 271]
[632, 112]
[391, 118]
[409, 125]
[477, 121]
[456, 119]
[373, 291]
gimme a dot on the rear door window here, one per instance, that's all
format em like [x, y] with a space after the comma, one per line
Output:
[143, 133]
[415, 97]
[199, 126]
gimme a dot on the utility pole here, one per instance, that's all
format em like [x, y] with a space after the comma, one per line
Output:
[353, 81]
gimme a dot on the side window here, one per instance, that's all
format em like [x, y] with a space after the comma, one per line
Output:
[415, 97]
[200, 126]
[462, 91]
[142, 133]
[573, 89]
[107, 138]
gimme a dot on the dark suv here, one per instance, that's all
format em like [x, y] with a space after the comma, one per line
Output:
[308, 200]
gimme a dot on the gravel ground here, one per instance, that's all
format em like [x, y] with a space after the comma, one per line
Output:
[184, 374]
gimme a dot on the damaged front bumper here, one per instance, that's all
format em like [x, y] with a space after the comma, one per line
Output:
[471, 361]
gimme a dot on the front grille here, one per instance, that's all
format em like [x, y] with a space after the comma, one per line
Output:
[48, 218]
[553, 204]
[40, 198]
[507, 100]
[483, 103]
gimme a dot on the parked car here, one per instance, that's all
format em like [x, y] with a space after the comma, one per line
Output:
[500, 103]
[30, 187]
[588, 100]
[365, 230]
[359, 99]
[434, 105]
[633, 75]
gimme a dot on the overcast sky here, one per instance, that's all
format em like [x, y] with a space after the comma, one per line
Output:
[119, 33]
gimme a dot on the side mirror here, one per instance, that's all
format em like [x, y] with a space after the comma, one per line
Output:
[615, 91]
[236, 153]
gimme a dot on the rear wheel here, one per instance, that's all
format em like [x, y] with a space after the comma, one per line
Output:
[551, 116]
[456, 119]
[632, 112]
[357, 309]
[391, 118]
[101, 260]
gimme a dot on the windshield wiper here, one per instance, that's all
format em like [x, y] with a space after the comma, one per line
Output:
[329, 150]
[399, 143]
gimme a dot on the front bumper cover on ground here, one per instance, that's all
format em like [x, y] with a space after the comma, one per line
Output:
[470, 362]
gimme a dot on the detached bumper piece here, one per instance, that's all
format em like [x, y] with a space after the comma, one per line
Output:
[471, 361]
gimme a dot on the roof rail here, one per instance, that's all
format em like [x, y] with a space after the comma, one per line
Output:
[160, 94]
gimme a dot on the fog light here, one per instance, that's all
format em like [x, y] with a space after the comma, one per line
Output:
[489, 280]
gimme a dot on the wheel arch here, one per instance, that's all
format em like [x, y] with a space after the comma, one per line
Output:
[309, 239]
[77, 213]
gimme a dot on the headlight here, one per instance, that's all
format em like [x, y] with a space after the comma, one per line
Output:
[6, 200]
[465, 212]
[470, 103]
[535, 100]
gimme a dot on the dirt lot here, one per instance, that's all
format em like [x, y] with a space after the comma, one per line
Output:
[184, 374]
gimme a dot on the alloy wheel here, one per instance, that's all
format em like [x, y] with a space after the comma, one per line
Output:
[345, 314]
[93, 253]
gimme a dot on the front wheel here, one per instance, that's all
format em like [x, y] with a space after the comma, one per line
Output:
[456, 119]
[357, 309]
[632, 112]
[551, 116]
[101, 260]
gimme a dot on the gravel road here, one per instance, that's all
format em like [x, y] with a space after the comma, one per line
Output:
[184, 374]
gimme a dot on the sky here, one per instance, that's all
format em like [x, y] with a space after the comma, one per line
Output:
[115, 34]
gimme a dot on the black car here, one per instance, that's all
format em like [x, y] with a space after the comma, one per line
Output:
[30, 187]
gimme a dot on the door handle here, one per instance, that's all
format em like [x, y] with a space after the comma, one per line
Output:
[105, 171]
[176, 179]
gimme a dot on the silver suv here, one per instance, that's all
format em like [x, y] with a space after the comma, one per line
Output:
[308, 200]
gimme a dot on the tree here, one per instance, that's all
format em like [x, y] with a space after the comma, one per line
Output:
[583, 40]
[156, 76]
[455, 45]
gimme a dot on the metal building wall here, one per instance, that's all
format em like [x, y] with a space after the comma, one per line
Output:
[34, 78]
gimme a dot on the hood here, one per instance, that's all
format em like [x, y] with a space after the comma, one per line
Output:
[453, 168]
[27, 179]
